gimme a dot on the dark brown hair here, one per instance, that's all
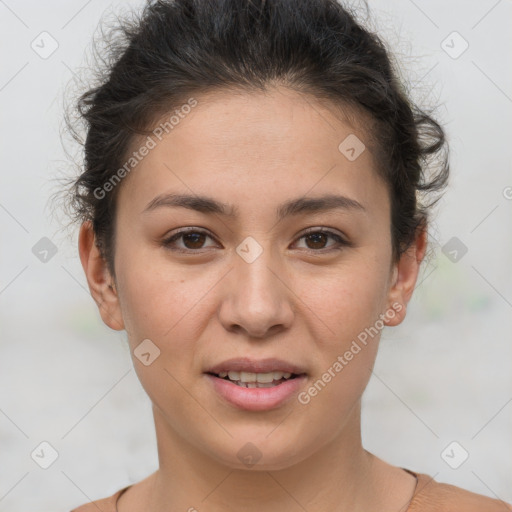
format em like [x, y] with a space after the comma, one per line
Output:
[175, 49]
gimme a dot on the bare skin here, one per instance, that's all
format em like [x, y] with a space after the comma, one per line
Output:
[301, 300]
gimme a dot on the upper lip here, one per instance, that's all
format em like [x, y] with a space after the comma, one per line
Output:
[245, 364]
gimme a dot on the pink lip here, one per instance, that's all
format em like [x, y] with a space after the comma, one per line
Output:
[256, 399]
[245, 364]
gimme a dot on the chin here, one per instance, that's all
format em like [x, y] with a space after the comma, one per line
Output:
[261, 452]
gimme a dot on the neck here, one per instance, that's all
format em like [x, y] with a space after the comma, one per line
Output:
[339, 476]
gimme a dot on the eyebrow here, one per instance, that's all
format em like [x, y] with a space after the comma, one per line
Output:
[208, 205]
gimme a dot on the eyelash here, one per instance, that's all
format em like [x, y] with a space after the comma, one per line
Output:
[341, 242]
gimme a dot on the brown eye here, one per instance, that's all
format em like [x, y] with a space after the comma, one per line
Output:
[191, 239]
[196, 240]
[316, 240]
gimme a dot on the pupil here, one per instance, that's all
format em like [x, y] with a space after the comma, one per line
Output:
[187, 238]
[316, 235]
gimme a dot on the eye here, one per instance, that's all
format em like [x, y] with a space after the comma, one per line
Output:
[318, 237]
[192, 238]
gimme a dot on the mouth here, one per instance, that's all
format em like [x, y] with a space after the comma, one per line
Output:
[256, 380]
[256, 385]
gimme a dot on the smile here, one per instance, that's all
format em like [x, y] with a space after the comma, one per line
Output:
[253, 395]
[256, 380]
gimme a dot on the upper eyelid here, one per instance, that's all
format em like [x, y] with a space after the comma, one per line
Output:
[320, 227]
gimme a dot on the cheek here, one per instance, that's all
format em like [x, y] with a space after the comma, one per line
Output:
[156, 296]
[345, 301]
[344, 315]
[160, 304]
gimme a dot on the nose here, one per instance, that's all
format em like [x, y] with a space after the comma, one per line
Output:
[257, 300]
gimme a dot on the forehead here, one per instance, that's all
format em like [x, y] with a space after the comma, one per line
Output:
[273, 144]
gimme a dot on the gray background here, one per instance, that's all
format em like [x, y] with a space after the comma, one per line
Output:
[442, 376]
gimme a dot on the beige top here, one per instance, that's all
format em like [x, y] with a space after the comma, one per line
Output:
[429, 496]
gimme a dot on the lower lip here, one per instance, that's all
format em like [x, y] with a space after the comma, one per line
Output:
[256, 399]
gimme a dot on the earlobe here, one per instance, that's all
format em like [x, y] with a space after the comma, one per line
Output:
[101, 283]
[403, 280]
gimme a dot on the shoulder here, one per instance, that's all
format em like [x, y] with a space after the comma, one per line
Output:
[104, 504]
[433, 496]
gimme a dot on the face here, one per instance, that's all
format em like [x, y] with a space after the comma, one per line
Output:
[287, 268]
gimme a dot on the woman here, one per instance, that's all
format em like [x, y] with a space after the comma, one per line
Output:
[254, 209]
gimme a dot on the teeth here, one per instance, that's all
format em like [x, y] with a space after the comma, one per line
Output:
[247, 377]
[255, 384]
[253, 378]
[265, 378]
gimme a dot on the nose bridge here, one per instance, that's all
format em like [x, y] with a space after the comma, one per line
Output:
[254, 266]
[256, 299]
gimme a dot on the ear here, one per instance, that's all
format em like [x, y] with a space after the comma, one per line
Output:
[403, 280]
[101, 284]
